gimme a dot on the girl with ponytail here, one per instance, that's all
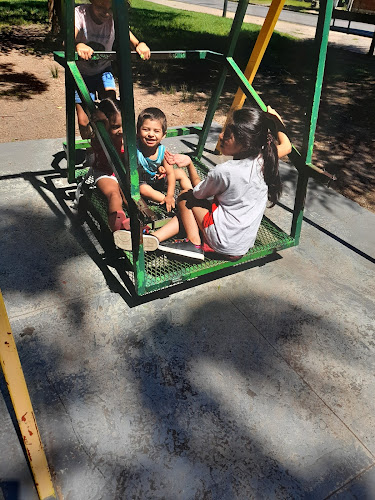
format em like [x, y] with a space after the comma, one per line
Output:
[223, 212]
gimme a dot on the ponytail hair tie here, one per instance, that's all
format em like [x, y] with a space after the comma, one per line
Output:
[269, 138]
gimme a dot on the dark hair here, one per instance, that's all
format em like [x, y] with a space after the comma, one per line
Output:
[105, 110]
[251, 128]
[152, 114]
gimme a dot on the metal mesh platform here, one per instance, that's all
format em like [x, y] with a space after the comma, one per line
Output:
[163, 270]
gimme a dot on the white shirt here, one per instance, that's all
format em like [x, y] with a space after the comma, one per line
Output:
[89, 31]
[241, 194]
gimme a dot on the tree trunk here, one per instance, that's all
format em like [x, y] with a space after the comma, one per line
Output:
[54, 15]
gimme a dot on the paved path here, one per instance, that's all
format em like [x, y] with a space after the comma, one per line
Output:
[298, 30]
[257, 384]
[306, 18]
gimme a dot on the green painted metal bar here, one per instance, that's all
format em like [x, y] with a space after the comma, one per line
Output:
[121, 20]
[321, 41]
[156, 55]
[82, 88]
[69, 89]
[243, 82]
[176, 132]
[100, 130]
[236, 27]
[214, 101]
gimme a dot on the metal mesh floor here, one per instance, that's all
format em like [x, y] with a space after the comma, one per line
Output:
[163, 270]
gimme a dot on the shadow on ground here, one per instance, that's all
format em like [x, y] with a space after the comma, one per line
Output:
[20, 86]
[183, 405]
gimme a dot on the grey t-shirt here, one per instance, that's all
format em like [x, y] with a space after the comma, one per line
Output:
[241, 194]
[89, 32]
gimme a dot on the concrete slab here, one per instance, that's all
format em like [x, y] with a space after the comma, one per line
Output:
[256, 384]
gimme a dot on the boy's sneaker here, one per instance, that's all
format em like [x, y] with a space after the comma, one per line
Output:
[183, 247]
[123, 239]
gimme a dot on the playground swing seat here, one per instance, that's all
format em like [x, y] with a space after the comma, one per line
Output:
[151, 271]
[167, 269]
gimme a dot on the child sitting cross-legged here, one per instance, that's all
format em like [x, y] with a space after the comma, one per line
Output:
[155, 173]
[223, 212]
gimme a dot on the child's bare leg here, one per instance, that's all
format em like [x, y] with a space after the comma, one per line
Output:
[111, 190]
[189, 222]
[151, 193]
[192, 220]
[170, 229]
[83, 122]
[184, 180]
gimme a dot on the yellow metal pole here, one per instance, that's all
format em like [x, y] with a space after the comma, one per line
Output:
[257, 53]
[14, 377]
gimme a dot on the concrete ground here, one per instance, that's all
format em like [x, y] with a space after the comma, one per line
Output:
[257, 383]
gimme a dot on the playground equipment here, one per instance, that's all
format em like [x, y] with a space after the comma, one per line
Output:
[154, 271]
[19, 394]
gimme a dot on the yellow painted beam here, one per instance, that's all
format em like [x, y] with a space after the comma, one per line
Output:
[14, 377]
[257, 53]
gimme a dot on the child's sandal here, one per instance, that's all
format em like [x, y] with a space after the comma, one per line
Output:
[118, 220]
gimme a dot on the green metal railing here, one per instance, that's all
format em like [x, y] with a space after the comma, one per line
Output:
[154, 271]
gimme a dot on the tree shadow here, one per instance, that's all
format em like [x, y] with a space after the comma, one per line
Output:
[209, 400]
[21, 86]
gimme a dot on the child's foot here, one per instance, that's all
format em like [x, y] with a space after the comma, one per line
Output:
[118, 220]
[123, 239]
[183, 247]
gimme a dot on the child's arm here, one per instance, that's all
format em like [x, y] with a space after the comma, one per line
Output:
[171, 181]
[284, 147]
[83, 50]
[140, 47]
[184, 161]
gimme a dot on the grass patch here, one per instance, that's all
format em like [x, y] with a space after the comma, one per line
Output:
[19, 12]
[192, 30]
[295, 5]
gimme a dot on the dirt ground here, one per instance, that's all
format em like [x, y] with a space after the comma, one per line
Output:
[32, 106]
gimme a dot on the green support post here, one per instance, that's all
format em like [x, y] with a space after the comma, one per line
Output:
[233, 37]
[121, 19]
[69, 90]
[321, 42]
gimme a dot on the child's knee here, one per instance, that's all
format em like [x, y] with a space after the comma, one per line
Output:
[113, 193]
[180, 174]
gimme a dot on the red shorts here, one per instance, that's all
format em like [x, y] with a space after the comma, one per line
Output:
[208, 219]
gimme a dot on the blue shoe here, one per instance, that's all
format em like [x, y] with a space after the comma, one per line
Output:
[182, 247]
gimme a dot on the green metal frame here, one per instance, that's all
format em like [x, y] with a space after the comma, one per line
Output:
[154, 271]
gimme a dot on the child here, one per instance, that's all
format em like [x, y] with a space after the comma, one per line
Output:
[240, 187]
[155, 173]
[108, 112]
[94, 30]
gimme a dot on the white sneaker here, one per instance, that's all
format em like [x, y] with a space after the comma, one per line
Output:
[123, 239]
